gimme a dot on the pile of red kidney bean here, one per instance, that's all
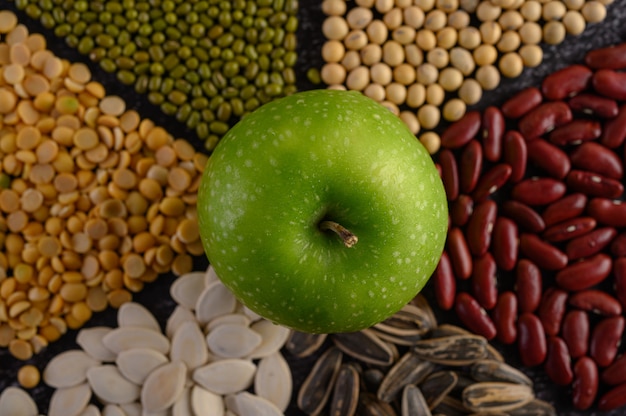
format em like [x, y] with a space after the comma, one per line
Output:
[536, 249]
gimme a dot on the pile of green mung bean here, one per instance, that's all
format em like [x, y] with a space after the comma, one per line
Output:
[427, 60]
[205, 62]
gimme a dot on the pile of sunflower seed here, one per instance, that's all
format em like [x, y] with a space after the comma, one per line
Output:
[410, 365]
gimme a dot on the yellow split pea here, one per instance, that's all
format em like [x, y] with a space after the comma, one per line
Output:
[95, 201]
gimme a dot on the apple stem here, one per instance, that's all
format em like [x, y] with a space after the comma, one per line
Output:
[346, 235]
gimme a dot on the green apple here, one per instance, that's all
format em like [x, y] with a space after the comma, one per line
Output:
[322, 212]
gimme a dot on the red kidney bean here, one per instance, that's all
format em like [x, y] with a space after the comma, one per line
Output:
[549, 158]
[484, 283]
[459, 253]
[609, 57]
[470, 166]
[449, 174]
[538, 191]
[504, 316]
[444, 283]
[558, 364]
[505, 243]
[522, 102]
[597, 301]
[566, 82]
[569, 229]
[619, 274]
[473, 316]
[584, 273]
[461, 131]
[575, 132]
[618, 245]
[491, 181]
[528, 285]
[585, 383]
[610, 83]
[568, 207]
[615, 373]
[531, 340]
[480, 226]
[593, 105]
[608, 211]
[605, 340]
[515, 154]
[542, 253]
[589, 244]
[614, 130]
[461, 209]
[524, 216]
[552, 309]
[544, 118]
[575, 332]
[613, 399]
[493, 131]
[593, 184]
[594, 157]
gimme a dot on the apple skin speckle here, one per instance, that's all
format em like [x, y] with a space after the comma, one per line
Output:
[322, 154]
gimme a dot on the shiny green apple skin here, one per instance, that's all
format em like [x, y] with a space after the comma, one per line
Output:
[314, 156]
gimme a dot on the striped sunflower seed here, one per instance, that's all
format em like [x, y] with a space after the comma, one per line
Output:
[366, 347]
[453, 350]
[496, 396]
[318, 385]
[302, 344]
[490, 370]
[345, 396]
[409, 369]
[413, 402]
[406, 326]
[437, 386]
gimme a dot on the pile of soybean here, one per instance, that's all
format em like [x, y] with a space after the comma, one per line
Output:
[207, 63]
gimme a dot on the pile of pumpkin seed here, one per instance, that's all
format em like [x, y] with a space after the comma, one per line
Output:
[409, 365]
[214, 357]
[207, 63]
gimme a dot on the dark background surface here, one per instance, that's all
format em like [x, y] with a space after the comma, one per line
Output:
[156, 296]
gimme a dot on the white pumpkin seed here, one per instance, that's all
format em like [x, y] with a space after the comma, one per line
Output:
[187, 289]
[69, 400]
[113, 410]
[189, 346]
[233, 341]
[210, 276]
[225, 376]
[111, 386]
[274, 337]
[68, 369]
[132, 409]
[182, 406]
[137, 363]
[177, 318]
[273, 381]
[91, 410]
[161, 413]
[136, 315]
[231, 318]
[90, 340]
[163, 386]
[16, 402]
[215, 300]
[127, 337]
[250, 404]
[204, 402]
